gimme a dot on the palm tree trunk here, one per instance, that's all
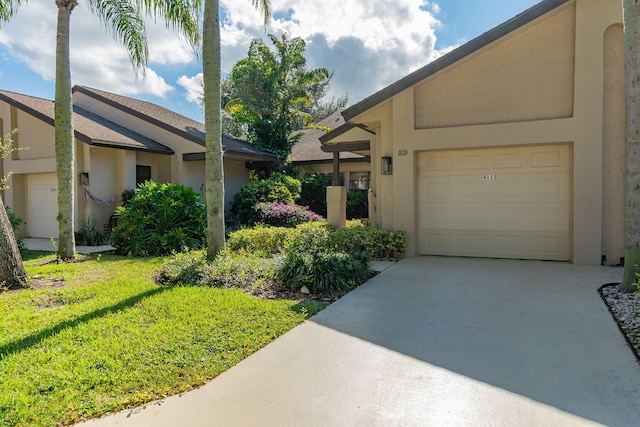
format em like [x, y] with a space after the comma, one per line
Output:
[213, 128]
[12, 273]
[64, 135]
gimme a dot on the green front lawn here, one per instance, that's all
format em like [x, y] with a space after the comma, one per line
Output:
[110, 338]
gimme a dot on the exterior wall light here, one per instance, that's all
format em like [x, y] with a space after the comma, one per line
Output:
[386, 166]
[84, 178]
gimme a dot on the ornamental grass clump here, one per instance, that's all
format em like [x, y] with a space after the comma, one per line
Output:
[324, 271]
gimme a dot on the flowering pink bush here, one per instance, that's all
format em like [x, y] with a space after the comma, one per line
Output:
[284, 215]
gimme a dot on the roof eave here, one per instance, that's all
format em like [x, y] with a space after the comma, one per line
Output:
[336, 132]
[149, 119]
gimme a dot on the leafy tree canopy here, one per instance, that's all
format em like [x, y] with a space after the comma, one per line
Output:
[273, 93]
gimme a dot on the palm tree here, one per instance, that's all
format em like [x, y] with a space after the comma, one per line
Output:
[213, 128]
[124, 19]
[631, 18]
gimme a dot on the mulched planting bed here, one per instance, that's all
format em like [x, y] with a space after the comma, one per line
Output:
[625, 309]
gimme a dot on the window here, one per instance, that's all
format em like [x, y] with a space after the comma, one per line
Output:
[143, 174]
[359, 181]
[341, 177]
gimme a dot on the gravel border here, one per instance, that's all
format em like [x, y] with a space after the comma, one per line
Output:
[625, 309]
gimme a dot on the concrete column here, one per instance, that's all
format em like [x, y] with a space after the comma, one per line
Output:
[336, 169]
[337, 206]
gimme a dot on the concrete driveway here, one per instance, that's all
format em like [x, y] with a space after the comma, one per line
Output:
[433, 341]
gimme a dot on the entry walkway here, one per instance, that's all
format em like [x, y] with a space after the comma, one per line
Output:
[433, 342]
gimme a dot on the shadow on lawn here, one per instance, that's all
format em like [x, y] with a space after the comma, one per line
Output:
[36, 338]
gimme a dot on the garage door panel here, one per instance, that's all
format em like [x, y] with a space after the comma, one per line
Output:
[495, 244]
[508, 243]
[510, 218]
[550, 187]
[518, 206]
[507, 189]
[549, 159]
[438, 218]
[468, 187]
[508, 161]
[437, 187]
[438, 163]
[473, 162]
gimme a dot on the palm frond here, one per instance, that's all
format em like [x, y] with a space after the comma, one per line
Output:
[178, 15]
[123, 19]
[263, 6]
[8, 8]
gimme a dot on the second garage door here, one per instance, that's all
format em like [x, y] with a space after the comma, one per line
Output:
[42, 205]
[510, 202]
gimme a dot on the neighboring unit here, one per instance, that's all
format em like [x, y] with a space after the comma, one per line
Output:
[307, 155]
[510, 146]
[120, 142]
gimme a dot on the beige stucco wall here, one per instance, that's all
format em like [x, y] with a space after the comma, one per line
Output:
[161, 166]
[103, 184]
[236, 175]
[396, 131]
[526, 76]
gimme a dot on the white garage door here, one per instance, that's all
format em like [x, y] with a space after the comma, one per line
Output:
[506, 203]
[42, 205]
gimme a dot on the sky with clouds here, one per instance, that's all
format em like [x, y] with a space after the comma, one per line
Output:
[367, 44]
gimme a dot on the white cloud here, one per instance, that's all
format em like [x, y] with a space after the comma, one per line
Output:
[96, 59]
[193, 86]
[367, 44]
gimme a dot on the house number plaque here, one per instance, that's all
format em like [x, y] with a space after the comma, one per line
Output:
[489, 177]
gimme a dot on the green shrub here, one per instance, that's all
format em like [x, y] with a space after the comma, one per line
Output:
[239, 269]
[263, 241]
[357, 205]
[231, 269]
[310, 238]
[325, 271]
[182, 268]
[278, 188]
[281, 215]
[89, 236]
[159, 219]
[360, 222]
[16, 222]
[313, 192]
[379, 243]
[293, 184]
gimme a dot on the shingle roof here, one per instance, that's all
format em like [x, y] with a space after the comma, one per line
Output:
[455, 55]
[89, 128]
[308, 148]
[170, 121]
